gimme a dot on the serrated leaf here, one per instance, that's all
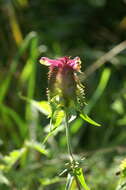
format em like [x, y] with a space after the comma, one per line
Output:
[80, 177]
[59, 116]
[89, 120]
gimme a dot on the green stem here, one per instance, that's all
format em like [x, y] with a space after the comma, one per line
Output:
[70, 149]
[68, 139]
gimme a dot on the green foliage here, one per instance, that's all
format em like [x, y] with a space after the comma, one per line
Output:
[80, 176]
[69, 181]
[3, 179]
[122, 172]
[105, 76]
[33, 149]
[89, 120]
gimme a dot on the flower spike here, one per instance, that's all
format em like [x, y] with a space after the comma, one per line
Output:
[64, 86]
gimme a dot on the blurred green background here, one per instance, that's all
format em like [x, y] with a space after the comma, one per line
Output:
[30, 29]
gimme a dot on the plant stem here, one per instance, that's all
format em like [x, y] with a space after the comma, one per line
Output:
[68, 139]
[70, 150]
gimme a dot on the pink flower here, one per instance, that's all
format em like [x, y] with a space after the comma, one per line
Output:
[74, 64]
[64, 86]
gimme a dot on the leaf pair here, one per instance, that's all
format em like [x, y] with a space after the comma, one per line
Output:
[77, 177]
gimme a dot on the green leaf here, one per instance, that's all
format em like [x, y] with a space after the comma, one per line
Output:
[16, 117]
[4, 86]
[80, 177]
[58, 116]
[121, 185]
[12, 158]
[37, 146]
[69, 181]
[122, 121]
[4, 180]
[75, 126]
[104, 80]
[118, 106]
[89, 120]
[27, 70]
[47, 181]
[42, 106]
[15, 155]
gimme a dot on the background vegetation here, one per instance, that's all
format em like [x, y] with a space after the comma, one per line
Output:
[85, 28]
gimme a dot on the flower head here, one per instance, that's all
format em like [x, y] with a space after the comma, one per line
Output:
[74, 64]
[64, 86]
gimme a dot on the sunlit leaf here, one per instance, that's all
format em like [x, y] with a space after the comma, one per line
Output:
[118, 106]
[26, 71]
[4, 180]
[121, 185]
[42, 106]
[69, 181]
[11, 159]
[47, 181]
[59, 116]
[89, 120]
[37, 146]
[75, 126]
[80, 176]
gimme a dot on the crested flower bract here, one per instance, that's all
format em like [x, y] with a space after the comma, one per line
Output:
[64, 86]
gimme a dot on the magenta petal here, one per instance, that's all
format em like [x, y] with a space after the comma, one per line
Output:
[62, 62]
[45, 61]
[51, 62]
[64, 59]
